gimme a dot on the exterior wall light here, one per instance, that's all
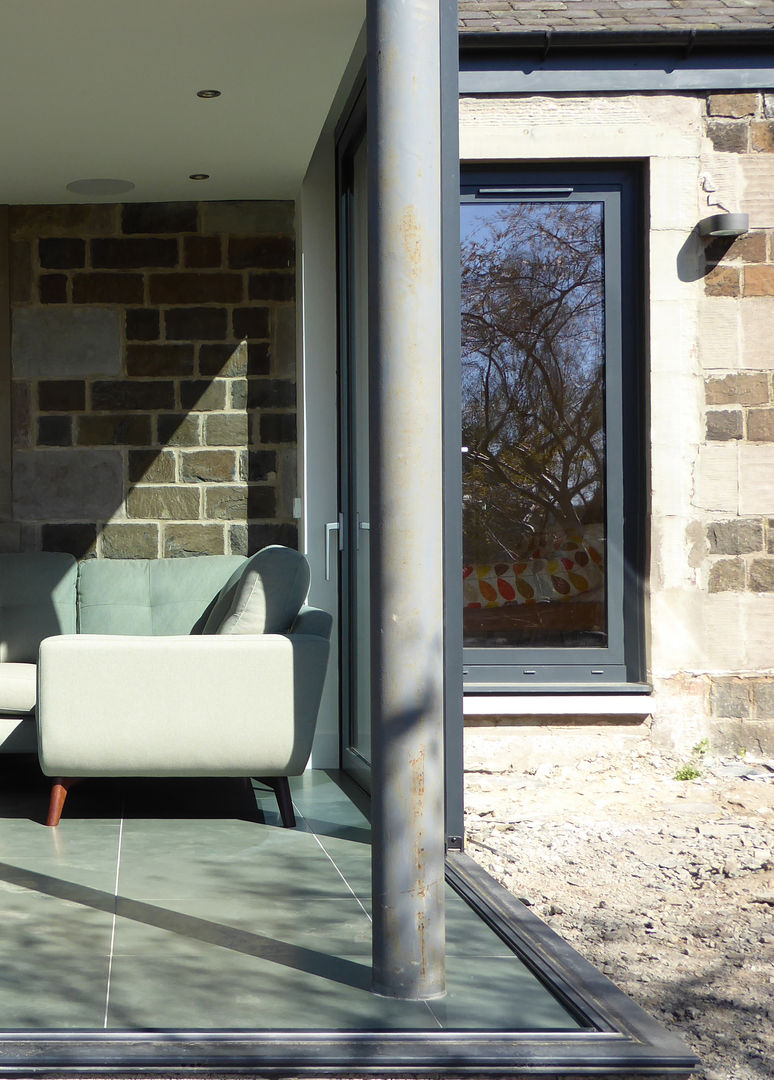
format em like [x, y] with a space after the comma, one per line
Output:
[208, 93]
[199, 176]
[725, 225]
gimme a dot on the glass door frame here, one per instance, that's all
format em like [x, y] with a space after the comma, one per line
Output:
[551, 669]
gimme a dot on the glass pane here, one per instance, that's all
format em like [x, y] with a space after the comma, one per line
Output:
[533, 389]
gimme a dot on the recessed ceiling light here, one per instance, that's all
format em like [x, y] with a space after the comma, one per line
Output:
[199, 176]
[208, 93]
[100, 185]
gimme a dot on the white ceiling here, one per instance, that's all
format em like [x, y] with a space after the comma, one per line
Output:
[107, 88]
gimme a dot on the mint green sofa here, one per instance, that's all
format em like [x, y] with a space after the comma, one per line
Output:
[210, 666]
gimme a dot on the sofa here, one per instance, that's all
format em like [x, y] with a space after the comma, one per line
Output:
[208, 666]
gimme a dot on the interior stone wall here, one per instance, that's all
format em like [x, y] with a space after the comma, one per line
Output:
[153, 378]
[710, 352]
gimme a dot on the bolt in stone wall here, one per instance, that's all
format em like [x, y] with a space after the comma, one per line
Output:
[154, 395]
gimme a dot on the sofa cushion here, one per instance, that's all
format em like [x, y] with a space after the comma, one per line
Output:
[37, 600]
[18, 688]
[264, 596]
[150, 596]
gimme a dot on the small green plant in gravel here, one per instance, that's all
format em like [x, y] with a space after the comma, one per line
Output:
[701, 747]
[687, 772]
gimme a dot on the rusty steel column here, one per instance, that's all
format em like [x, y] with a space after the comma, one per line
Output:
[404, 269]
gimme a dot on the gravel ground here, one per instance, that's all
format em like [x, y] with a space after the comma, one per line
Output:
[666, 885]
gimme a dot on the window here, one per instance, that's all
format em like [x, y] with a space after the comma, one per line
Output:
[552, 422]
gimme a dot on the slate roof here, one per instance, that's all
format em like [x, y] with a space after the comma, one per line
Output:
[595, 16]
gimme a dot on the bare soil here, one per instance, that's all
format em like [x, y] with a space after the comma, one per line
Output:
[666, 885]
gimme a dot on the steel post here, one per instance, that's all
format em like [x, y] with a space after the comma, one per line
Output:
[404, 163]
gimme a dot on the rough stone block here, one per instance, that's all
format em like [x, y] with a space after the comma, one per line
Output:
[762, 136]
[726, 575]
[159, 360]
[730, 697]
[226, 360]
[743, 737]
[238, 393]
[748, 248]
[143, 324]
[258, 465]
[61, 395]
[770, 535]
[254, 218]
[240, 502]
[104, 287]
[287, 489]
[67, 485]
[284, 320]
[760, 425]
[718, 333]
[732, 104]
[226, 429]
[758, 280]
[163, 503]
[52, 288]
[133, 396]
[202, 252]
[271, 394]
[196, 288]
[728, 136]
[762, 698]
[247, 539]
[55, 431]
[195, 324]
[10, 537]
[184, 540]
[744, 388]
[179, 429]
[722, 281]
[21, 413]
[277, 428]
[757, 171]
[740, 537]
[208, 465]
[724, 424]
[63, 342]
[761, 575]
[259, 358]
[272, 286]
[756, 479]
[74, 219]
[160, 217]
[62, 253]
[757, 318]
[151, 466]
[21, 272]
[79, 540]
[130, 541]
[205, 395]
[108, 430]
[133, 253]
[251, 322]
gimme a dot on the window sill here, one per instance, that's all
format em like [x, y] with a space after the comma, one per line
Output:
[553, 704]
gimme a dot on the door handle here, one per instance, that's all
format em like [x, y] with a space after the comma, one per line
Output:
[333, 527]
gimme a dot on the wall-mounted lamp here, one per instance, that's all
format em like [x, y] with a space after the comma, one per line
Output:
[725, 225]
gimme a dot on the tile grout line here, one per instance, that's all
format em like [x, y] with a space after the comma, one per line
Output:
[113, 928]
[357, 898]
[336, 867]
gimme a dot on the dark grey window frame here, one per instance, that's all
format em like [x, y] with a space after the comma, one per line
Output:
[620, 666]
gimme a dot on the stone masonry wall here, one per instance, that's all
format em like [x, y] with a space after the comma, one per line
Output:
[154, 397]
[710, 350]
[738, 373]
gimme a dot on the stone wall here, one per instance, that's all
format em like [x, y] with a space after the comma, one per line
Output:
[154, 397]
[710, 349]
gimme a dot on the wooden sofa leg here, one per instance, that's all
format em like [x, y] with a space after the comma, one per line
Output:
[59, 790]
[281, 788]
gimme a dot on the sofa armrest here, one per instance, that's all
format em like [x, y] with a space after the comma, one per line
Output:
[312, 620]
[232, 705]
